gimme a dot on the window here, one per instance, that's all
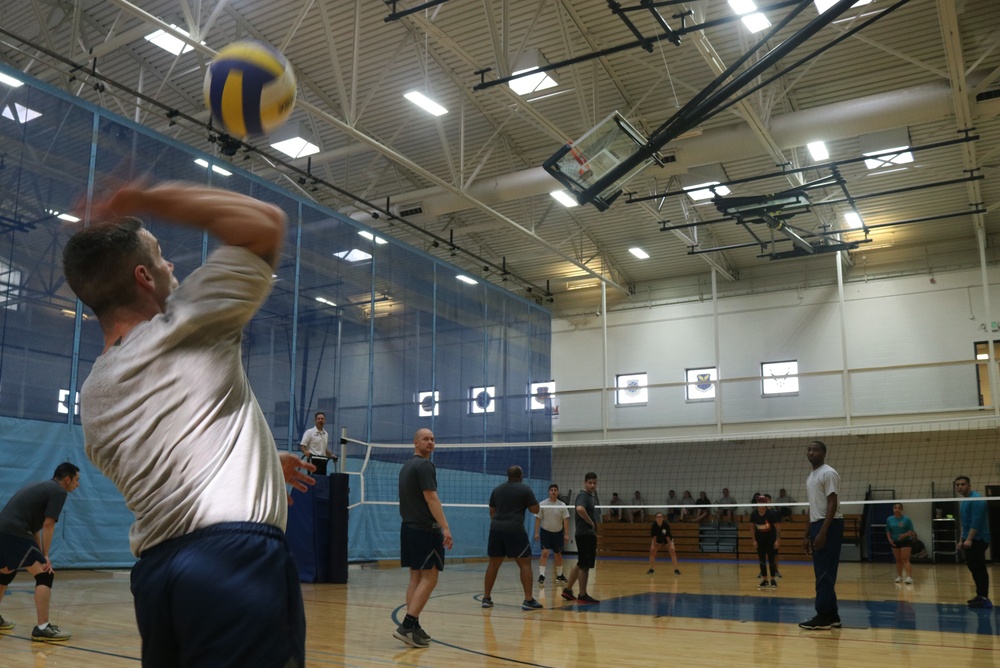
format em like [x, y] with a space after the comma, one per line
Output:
[779, 378]
[701, 384]
[631, 389]
[62, 408]
[481, 400]
[982, 370]
[10, 282]
[543, 397]
[427, 404]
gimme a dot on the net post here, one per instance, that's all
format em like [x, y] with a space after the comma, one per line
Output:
[342, 464]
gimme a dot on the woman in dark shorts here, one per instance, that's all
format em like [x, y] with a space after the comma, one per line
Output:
[899, 531]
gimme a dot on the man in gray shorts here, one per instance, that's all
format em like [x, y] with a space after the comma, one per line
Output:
[507, 535]
[34, 510]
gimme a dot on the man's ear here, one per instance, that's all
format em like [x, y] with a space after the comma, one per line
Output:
[143, 277]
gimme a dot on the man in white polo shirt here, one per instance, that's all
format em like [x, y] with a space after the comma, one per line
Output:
[314, 442]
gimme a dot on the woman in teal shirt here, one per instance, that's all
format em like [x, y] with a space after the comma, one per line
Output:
[899, 531]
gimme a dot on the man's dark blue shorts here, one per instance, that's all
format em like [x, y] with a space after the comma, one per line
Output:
[227, 595]
[551, 540]
[420, 550]
[18, 552]
[513, 544]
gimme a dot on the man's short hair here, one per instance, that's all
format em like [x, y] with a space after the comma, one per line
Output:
[515, 473]
[66, 469]
[821, 444]
[590, 476]
[554, 486]
[99, 262]
[966, 478]
[318, 413]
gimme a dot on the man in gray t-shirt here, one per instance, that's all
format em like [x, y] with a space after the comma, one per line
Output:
[33, 511]
[423, 535]
[507, 535]
[586, 540]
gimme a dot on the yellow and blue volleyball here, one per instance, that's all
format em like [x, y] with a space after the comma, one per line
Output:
[250, 89]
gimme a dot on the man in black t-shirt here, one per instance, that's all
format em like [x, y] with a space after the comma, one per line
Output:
[423, 535]
[507, 535]
[765, 529]
[27, 523]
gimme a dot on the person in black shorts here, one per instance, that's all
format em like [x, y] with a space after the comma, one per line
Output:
[34, 510]
[765, 530]
[508, 537]
[586, 541]
[552, 532]
[900, 534]
[423, 535]
[660, 531]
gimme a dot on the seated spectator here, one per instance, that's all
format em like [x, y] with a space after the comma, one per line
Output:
[703, 508]
[673, 514]
[726, 514]
[637, 514]
[686, 500]
[784, 511]
[617, 514]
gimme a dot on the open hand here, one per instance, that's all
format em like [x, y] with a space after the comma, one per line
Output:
[293, 469]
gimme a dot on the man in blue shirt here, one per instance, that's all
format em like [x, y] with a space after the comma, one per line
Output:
[975, 539]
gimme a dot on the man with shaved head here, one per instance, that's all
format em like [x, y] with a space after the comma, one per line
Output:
[507, 535]
[423, 536]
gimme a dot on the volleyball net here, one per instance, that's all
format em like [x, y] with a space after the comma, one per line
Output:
[914, 464]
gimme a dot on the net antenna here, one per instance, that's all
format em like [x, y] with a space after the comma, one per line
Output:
[595, 178]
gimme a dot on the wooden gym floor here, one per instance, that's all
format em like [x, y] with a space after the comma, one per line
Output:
[711, 615]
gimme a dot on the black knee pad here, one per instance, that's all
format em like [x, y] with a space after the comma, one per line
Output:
[45, 579]
[7, 578]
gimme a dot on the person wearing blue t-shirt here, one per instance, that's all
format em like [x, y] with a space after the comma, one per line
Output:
[899, 531]
[975, 539]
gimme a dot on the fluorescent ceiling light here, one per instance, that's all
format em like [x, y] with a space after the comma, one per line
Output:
[564, 198]
[425, 103]
[168, 42]
[704, 190]
[742, 7]
[756, 22]
[853, 220]
[353, 255]
[823, 5]
[296, 147]
[983, 356]
[19, 113]
[63, 216]
[532, 82]
[639, 253]
[10, 81]
[466, 279]
[817, 150]
[887, 157]
[323, 300]
[371, 237]
[215, 168]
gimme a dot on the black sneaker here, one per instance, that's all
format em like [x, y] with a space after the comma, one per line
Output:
[412, 637]
[972, 600]
[568, 594]
[774, 584]
[835, 622]
[531, 605]
[5, 625]
[762, 585]
[423, 634]
[981, 602]
[817, 623]
[487, 602]
[649, 572]
[541, 579]
[50, 633]
[586, 598]
[561, 579]
[677, 571]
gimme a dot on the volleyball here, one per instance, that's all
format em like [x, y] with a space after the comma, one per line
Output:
[249, 88]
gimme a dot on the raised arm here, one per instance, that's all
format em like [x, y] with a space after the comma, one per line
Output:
[233, 218]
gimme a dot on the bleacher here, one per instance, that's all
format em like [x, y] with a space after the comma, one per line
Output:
[709, 540]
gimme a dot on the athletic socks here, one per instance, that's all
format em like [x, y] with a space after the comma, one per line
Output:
[541, 570]
[410, 622]
[42, 627]
[559, 572]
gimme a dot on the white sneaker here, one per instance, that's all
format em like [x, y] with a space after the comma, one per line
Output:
[908, 580]
[898, 579]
